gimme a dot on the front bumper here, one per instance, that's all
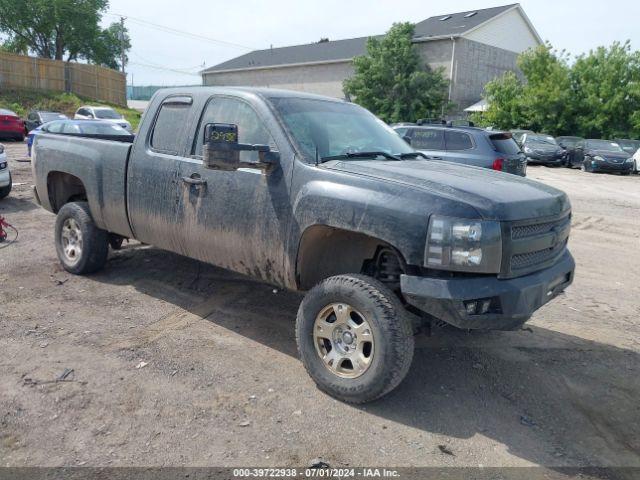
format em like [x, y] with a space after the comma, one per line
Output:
[556, 159]
[597, 166]
[514, 300]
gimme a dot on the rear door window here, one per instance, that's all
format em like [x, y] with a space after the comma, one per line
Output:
[167, 136]
[427, 139]
[458, 140]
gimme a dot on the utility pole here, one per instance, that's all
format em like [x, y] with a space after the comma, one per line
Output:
[122, 52]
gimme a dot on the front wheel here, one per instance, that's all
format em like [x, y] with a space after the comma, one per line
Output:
[354, 337]
[81, 246]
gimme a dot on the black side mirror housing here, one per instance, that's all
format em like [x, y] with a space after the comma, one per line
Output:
[221, 150]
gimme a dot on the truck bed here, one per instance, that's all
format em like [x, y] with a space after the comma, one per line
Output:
[98, 165]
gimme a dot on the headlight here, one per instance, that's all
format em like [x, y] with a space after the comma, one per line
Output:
[629, 160]
[527, 150]
[460, 244]
[598, 158]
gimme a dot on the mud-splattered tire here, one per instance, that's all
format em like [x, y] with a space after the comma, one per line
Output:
[363, 310]
[81, 246]
[5, 191]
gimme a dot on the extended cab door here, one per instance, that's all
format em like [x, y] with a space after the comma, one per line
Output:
[153, 176]
[235, 219]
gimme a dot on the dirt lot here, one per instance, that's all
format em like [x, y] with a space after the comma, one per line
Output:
[222, 385]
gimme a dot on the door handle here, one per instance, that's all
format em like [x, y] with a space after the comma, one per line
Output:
[194, 180]
[435, 158]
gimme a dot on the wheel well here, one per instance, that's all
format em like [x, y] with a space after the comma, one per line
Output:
[326, 251]
[64, 188]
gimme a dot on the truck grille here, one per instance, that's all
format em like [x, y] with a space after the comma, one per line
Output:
[533, 245]
[524, 260]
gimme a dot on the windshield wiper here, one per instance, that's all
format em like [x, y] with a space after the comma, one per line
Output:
[347, 155]
[404, 156]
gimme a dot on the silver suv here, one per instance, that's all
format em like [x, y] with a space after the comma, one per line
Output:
[467, 145]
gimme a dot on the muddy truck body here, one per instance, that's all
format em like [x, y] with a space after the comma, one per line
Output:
[315, 195]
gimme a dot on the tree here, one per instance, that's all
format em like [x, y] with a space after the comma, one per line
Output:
[60, 29]
[392, 81]
[108, 47]
[544, 102]
[607, 86]
[598, 96]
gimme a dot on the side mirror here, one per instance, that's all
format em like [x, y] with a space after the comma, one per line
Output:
[221, 150]
[407, 139]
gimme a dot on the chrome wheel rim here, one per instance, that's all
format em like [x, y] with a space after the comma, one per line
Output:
[344, 340]
[71, 237]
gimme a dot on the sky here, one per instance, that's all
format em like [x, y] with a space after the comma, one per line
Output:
[212, 31]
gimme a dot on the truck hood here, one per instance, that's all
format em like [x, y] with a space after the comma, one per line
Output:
[494, 195]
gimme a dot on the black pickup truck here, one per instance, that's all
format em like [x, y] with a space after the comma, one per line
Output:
[317, 195]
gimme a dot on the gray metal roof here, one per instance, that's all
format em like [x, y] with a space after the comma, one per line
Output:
[459, 23]
[336, 50]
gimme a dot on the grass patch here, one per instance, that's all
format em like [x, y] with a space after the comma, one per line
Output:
[23, 101]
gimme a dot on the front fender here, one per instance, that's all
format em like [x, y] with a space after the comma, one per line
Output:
[399, 220]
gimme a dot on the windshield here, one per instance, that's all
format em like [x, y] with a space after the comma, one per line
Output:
[107, 113]
[568, 141]
[50, 116]
[629, 144]
[605, 145]
[541, 139]
[504, 143]
[336, 128]
[95, 128]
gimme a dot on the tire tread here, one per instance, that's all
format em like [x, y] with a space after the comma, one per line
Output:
[396, 328]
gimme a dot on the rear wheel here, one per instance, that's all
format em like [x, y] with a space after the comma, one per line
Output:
[81, 246]
[354, 338]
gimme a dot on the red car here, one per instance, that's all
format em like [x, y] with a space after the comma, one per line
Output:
[11, 125]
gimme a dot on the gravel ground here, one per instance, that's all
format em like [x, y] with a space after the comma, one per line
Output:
[221, 384]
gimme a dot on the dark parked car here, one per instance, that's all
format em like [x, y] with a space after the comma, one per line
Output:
[602, 156]
[629, 146]
[37, 118]
[318, 195]
[84, 128]
[467, 145]
[569, 145]
[518, 134]
[542, 149]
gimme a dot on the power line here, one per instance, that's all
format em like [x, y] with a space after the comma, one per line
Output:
[146, 61]
[175, 31]
[168, 69]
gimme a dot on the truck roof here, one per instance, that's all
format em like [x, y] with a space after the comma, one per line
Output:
[261, 91]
